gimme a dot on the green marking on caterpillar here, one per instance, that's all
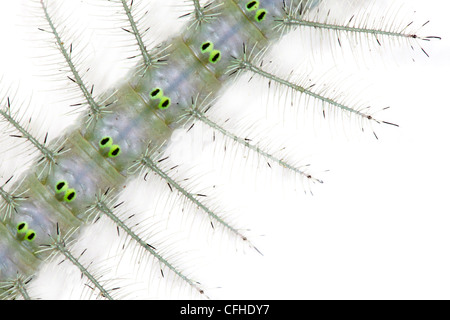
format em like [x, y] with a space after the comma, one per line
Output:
[261, 15]
[114, 151]
[105, 142]
[22, 227]
[164, 103]
[70, 195]
[30, 235]
[61, 186]
[252, 5]
[207, 47]
[215, 56]
[156, 93]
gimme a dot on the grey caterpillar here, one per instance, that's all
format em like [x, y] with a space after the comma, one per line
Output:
[320, 251]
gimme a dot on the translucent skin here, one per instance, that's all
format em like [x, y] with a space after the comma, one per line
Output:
[134, 122]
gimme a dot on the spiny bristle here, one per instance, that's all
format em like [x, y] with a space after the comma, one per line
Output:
[199, 115]
[102, 207]
[59, 246]
[202, 13]
[47, 155]
[148, 163]
[250, 63]
[15, 289]
[96, 109]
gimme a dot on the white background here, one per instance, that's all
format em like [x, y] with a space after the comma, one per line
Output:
[378, 226]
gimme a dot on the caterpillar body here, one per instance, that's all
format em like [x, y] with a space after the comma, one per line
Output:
[80, 177]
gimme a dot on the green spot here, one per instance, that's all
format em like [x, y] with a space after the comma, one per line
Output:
[22, 227]
[156, 93]
[215, 56]
[164, 103]
[252, 5]
[105, 142]
[61, 186]
[260, 15]
[30, 235]
[70, 195]
[114, 151]
[207, 46]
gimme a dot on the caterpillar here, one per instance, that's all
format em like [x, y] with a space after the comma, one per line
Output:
[67, 198]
